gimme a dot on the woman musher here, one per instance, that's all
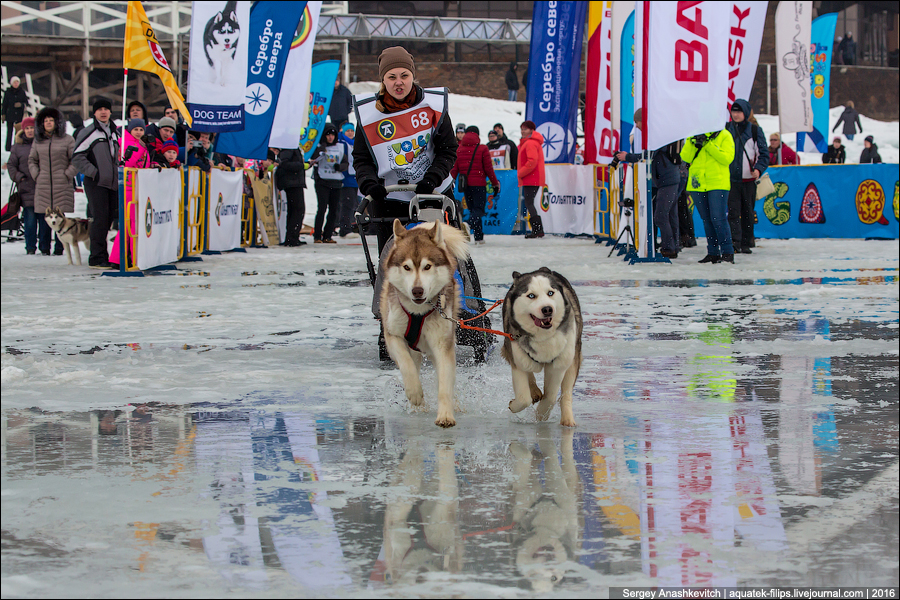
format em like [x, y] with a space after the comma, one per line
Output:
[406, 136]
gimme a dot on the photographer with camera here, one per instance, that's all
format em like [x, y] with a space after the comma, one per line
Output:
[198, 151]
[709, 182]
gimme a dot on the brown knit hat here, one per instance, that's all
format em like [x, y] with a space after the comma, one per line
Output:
[394, 57]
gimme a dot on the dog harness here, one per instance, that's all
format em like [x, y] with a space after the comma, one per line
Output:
[414, 325]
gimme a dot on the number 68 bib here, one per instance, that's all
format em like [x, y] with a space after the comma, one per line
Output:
[401, 142]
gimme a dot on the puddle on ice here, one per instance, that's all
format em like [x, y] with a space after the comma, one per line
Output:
[757, 471]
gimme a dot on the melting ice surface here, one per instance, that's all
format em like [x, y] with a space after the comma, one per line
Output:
[228, 429]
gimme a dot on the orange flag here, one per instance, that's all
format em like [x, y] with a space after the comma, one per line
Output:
[142, 52]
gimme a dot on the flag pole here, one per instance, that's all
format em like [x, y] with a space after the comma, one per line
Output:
[124, 122]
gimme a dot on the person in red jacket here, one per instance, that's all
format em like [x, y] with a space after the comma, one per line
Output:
[473, 162]
[531, 174]
[780, 154]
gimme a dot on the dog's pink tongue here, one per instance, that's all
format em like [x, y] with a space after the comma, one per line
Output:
[542, 323]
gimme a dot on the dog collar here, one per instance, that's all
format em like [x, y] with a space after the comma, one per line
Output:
[414, 325]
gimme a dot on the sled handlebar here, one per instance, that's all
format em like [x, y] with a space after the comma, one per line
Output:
[446, 203]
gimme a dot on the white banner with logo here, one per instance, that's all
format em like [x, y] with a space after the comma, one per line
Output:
[223, 219]
[687, 78]
[793, 34]
[159, 217]
[567, 204]
[748, 19]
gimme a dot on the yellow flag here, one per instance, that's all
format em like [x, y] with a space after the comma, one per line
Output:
[142, 53]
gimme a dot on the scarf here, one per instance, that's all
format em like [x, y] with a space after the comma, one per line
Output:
[393, 105]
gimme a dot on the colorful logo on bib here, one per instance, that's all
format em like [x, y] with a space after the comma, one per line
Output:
[148, 218]
[387, 130]
[405, 152]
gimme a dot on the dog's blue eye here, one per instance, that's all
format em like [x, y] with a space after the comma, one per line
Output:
[531, 296]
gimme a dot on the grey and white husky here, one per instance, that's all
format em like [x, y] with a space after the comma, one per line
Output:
[220, 40]
[542, 313]
[69, 231]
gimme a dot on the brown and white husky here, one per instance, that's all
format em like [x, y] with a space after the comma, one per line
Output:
[419, 285]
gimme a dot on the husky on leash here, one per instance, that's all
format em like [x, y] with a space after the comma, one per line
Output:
[220, 39]
[542, 314]
[419, 286]
[69, 231]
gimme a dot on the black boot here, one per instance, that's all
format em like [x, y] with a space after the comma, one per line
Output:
[714, 259]
[729, 258]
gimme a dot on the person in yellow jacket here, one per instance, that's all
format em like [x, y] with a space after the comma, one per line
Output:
[709, 182]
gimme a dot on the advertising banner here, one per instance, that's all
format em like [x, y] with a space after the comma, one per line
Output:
[821, 47]
[159, 217]
[748, 19]
[626, 90]
[567, 204]
[557, 36]
[321, 89]
[620, 13]
[293, 101]
[223, 219]
[793, 33]
[272, 28]
[217, 75]
[686, 69]
[601, 138]
[500, 211]
[829, 201]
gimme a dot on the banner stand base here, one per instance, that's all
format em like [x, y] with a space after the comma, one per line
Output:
[122, 274]
[210, 252]
[633, 258]
[190, 259]
[602, 239]
[162, 268]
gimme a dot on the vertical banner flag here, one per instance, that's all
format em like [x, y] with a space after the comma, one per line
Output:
[142, 53]
[626, 87]
[554, 74]
[820, 80]
[686, 89]
[748, 19]
[291, 114]
[159, 217]
[217, 75]
[619, 15]
[226, 189]
[272, 27]
[321, 88]
[601, 137]
[793, 33]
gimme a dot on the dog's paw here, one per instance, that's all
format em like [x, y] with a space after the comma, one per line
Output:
[445, 421]
[416, 397]
[567, 422]
[515, 406]
[536, 395]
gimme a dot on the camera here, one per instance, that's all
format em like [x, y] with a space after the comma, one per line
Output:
[626, 203]
[195, 144]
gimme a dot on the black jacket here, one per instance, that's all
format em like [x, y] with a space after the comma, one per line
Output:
[291, 172]
[850, 119]
[94, 155]
[664, 168]
[835, 156]
[512, 79]
[341, 105]
[742, 132]
[445, 144]
[870, 155]
[513, 152]
[14, 102]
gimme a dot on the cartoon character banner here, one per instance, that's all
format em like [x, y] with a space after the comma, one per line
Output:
[321, 88]
[272, 28]
[223, 220]
[829, 201]
[820, 50]
[217, 75]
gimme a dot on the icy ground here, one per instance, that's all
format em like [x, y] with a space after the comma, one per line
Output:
[227, 429]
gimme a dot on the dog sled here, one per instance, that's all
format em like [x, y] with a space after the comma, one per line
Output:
[378, 219]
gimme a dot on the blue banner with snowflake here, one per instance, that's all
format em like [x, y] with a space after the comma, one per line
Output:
[272, 28]
[554, 74]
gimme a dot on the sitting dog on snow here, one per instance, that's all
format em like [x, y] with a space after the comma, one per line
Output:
[542, 314]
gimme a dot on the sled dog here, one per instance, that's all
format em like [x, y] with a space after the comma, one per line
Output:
[419, 285]
[69, 231]
[220, 41]
[542, 314]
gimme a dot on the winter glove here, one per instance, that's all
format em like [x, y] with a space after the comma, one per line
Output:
[427, 185]
[376, 191]
[700, 140]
